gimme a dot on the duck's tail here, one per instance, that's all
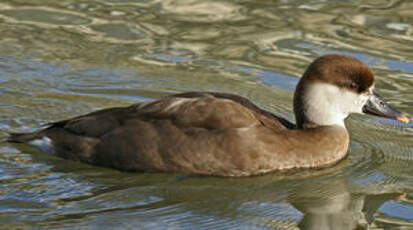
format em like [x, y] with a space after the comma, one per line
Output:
[20, 137]
[35, 139]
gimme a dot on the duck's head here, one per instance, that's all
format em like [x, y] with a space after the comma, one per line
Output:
[332, 87]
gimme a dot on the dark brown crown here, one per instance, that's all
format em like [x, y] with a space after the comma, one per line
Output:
[342, 71]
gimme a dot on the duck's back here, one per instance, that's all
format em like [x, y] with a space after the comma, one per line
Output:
[190, 132]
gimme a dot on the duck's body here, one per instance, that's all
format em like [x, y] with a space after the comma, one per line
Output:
[203, 133]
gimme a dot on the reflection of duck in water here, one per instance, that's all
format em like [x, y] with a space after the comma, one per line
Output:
[331, 205]
[223, 134]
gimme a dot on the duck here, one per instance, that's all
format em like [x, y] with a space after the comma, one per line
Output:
[223, 134]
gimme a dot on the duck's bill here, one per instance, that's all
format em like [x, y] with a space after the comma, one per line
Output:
[378, 107]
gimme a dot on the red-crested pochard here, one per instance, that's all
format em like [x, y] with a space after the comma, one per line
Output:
[223, 134]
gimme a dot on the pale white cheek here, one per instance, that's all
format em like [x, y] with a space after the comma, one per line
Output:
[352, 102]
[328, 104]
[360, 102]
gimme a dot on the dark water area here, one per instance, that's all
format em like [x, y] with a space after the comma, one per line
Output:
[60, 59]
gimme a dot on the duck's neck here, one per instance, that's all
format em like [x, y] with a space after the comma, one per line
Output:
[308, 148]
[317, 105]
[309, 124]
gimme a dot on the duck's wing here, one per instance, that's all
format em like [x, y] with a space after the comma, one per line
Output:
[97, 123]
[209, 110]
[265, 117]
[121, 131]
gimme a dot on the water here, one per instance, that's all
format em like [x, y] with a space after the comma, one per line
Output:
[64, 58]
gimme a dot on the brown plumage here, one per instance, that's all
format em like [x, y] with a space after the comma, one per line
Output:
[206, 133]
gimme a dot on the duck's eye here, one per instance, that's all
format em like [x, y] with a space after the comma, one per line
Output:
[353, 85]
